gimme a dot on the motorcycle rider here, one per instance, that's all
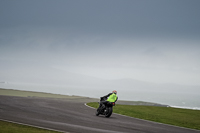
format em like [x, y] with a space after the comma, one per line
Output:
[111, 97]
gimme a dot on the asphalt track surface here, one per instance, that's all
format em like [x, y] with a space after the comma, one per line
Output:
[71, 115]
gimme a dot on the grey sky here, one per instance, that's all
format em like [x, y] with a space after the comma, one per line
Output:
[155, 41]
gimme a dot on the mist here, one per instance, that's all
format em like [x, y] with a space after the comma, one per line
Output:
[152, 60]
[149, 50]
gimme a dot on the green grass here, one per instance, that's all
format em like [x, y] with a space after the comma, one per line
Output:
[7, 127]
[173, 116]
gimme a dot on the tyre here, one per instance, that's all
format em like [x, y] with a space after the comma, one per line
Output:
[97, 112]
[109, 112]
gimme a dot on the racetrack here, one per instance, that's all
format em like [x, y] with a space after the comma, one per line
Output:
[71, 115]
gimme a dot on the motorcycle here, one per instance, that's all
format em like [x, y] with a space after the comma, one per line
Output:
[105, 109]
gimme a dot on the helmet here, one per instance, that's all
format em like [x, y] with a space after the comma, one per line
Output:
[114, 91]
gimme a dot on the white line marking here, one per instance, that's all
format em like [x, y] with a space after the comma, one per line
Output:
[89, 106]
[149, 120]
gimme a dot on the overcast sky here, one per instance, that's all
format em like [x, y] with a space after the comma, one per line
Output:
[150, 40]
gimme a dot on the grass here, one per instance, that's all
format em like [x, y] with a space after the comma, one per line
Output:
[174, 116]
[167, 115]
[7, 127]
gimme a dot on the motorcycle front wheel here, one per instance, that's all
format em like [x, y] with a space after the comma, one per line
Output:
[109, 112]
[97, 112]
